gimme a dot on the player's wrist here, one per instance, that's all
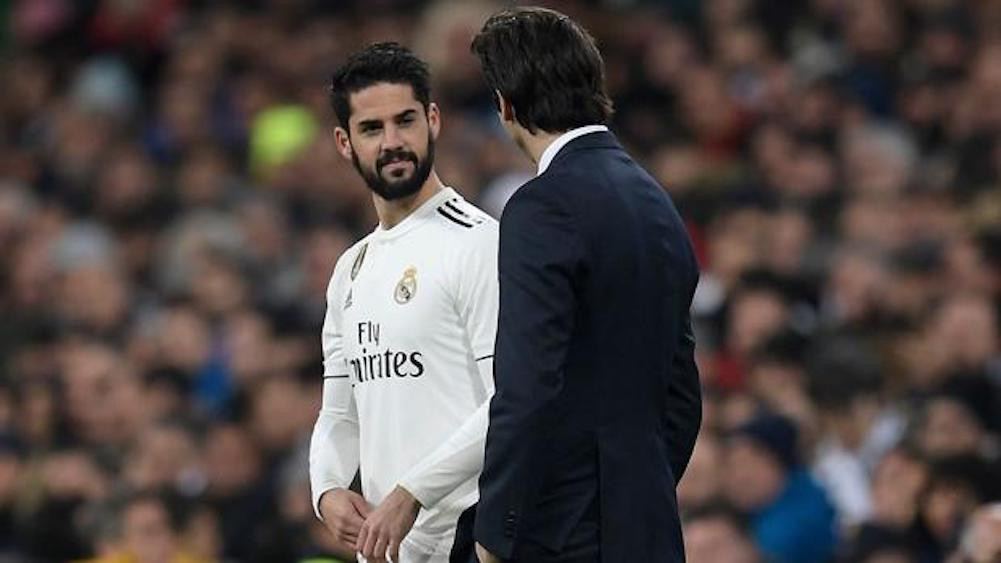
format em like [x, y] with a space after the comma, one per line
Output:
[410, 499]
[328, 496]
[332, 492]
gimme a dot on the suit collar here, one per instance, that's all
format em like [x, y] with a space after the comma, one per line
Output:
[597, 140]
[557, 145]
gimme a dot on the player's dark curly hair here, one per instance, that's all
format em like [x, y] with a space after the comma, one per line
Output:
[547, 66]
[380, 62]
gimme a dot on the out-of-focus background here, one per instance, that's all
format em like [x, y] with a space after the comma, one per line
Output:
[171, 207]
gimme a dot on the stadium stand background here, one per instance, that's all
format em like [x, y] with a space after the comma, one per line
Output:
[171, 206]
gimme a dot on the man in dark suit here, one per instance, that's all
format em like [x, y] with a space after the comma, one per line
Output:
[597, 404]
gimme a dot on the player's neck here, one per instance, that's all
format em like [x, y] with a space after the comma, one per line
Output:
[535, 145]
[392, 212]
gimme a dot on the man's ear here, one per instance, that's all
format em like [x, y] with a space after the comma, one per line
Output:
[434, 120]
[343, 141]
[504, 107]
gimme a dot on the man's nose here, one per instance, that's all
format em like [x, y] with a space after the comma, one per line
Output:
[391, 139]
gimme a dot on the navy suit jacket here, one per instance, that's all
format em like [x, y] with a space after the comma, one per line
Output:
[598, 400]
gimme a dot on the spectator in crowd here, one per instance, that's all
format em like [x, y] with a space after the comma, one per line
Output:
[141, 529]
[790, 516]
[717, 533]
[981, 539]
[957, 485]
[882, 545]
[856, 428]
[899, 480]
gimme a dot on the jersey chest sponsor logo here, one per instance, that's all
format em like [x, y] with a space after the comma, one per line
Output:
[407, 287]
[373, 362]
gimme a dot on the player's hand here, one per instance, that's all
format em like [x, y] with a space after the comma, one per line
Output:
[343, 513]
[485, 556]
[387, 525]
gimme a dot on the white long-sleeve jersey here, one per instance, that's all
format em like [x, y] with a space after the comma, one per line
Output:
[408, 343]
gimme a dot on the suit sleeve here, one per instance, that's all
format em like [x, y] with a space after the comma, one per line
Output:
[539, 259]
[683, 405]
[333, 447]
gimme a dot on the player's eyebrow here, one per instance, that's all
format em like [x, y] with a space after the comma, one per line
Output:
[369, 123]
[366, 123]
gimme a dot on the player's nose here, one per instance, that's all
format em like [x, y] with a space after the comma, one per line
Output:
[391, 139]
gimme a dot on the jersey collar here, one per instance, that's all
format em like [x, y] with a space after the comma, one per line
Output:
[416, 216]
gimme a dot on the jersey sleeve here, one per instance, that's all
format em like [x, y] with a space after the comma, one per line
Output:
[334, 448]
[451, 464]
[477, 292]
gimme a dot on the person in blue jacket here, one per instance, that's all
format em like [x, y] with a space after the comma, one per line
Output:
[791, 518]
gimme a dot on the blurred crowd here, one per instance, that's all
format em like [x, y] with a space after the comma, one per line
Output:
[171, 207]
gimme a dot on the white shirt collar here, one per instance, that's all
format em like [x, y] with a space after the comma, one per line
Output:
[554, 148]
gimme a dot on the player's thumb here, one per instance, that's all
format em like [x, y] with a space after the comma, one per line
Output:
[361, 505]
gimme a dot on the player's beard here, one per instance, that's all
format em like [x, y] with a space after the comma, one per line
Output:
[390, 190]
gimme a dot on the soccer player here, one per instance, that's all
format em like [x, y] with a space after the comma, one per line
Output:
[409, 330]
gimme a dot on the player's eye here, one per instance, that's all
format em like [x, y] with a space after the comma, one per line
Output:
[406, 120]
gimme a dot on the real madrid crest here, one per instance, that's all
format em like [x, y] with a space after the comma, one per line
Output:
[407, 288]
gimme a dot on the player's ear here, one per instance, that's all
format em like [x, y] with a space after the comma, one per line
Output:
[434, 120]
[343, 141]
[504, 107]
